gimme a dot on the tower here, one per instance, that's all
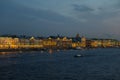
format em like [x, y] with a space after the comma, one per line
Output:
[77, 35]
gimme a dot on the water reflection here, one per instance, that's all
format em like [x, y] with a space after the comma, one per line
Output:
[60, 65]
[4, 53]
[50, 51]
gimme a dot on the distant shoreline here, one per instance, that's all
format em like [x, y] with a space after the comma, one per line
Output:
[10, 50]
[46, 49]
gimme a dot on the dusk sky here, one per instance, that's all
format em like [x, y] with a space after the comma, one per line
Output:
[90, 18]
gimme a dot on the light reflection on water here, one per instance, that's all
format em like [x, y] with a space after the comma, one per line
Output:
[97, 64]
[4, 53]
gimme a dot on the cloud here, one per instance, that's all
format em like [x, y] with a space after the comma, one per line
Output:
[82, 8]
[60, 16]
[22, 12]
[20, 19]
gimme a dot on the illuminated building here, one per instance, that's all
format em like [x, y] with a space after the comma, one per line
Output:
[9, 43]
[64, 42]
[102, 43]
[55, 42]
[30, 43]
[49, 43]
[79, 41]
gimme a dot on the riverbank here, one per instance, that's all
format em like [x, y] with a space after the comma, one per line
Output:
[46, 49]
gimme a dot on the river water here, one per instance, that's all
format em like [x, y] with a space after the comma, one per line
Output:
[96, 64]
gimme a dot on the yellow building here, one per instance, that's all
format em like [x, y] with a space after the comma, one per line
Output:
[96, 43]
[30, 43]
[49, 43]
[109, 43]
[9, 43]
[102, 43]
[64, 42]
[24, 43]
[79, 42]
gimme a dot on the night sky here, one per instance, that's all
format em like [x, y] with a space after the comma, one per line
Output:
[90, 18]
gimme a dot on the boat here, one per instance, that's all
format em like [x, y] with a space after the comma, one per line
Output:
[78, 55]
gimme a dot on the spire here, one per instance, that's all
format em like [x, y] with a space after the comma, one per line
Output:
[77, 35]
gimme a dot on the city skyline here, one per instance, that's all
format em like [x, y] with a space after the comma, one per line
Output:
[90, 18]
